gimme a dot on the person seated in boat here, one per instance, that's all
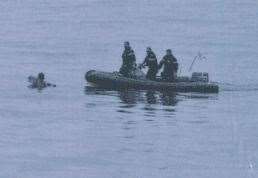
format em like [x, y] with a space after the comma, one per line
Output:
[152, 63]
[39, 82]
[129, 61]
[170, 67]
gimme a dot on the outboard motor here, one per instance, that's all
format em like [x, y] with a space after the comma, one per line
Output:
[200, 77]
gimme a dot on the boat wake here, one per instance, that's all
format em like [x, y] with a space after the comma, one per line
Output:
[237, 87]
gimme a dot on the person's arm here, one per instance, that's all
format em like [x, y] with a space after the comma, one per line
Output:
[50, 85]
[144, 62]
[124, 57]
[176, 66]
[175, 63]
[154, 55]
[174, 58]
[132, 58]
[161, 63]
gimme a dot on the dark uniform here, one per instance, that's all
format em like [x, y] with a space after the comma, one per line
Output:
[170, 67]
[152, 63]
[129, 61]
[38, 82]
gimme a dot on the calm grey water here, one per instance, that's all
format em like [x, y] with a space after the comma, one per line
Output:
[76, 130]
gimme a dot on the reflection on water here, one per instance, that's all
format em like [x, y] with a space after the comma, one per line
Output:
[132, 97]
[129, 97]
[151, 97]
[148, 104]
[168, 99]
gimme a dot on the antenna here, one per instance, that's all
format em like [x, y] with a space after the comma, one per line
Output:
[199, 56]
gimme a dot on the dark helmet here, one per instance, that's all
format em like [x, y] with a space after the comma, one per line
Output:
[41, 76]
[169, 51]
[126, 44]
[148, 49]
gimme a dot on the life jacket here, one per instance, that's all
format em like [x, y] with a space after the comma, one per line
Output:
[170, 64]
[151, 61]
[128, 58]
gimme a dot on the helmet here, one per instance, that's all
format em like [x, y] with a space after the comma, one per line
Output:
[41, 76]
[169, 51]
[126, 43]
[148, 49]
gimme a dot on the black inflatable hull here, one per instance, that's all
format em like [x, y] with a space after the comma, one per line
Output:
[115, 81]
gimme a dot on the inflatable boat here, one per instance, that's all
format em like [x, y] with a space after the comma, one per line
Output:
[198, 82]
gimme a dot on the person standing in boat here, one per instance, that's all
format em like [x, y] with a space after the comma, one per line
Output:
[152, 63]
[129, 61]
[170, 67]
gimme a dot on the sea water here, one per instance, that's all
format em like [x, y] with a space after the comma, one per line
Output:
[76, 130]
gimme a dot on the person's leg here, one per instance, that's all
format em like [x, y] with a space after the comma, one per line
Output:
[162, 75]
[124, 71]
[171, 77]
[154, 74]
[165, 76]
[151, 74]
[148, 75]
